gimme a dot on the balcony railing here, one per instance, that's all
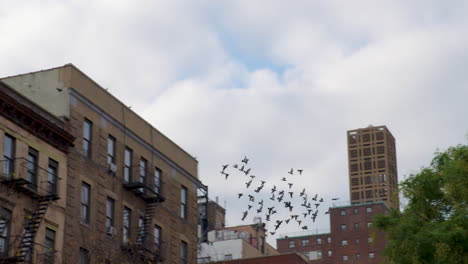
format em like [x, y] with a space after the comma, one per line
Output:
[148, 248]
[139, 184]
[29, 178]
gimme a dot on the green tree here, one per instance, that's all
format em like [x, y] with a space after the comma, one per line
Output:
[433, 227]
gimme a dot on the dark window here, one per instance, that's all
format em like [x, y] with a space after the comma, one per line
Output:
[356, 225]
[5, 217]
[183, 252]
[143, 164]
[183, 202]
[111, 150]
[87, 132]
[110, 212]
[343, 227]
[85, 202]
[8, 156]
[84, 256]
[342, 212]
[32, 168]
[50, 246]
[318, 241]
[157, 180]
[157, 237]
[141, 230]
[126, 224]
[52, 177]
[128, 164]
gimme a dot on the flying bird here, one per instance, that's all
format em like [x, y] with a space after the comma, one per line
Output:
[249, 207]
[247, 171]
[225, 167]
[302, 193]
[291, 171]
[245, 215]
[290, 185]
[334, 199]
[283, 179]
[304, 227]
[300, 171]
[248, 183]
[245, 160]
[239, 195]
[273, 189]
[291, 194]
[251, 198]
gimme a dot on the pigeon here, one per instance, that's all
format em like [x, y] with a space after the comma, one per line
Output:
[302, 193]
[245, 160]
[334, 199]
[272, 233]
[283, 179]
[321, 200]
[259, 210]
[261, 202]
[227, 175]
[290, 185]
[291, 194]
[251, 198]
[272, 197]
[248, 183]
[235, 166]
[245, 215]
[252, 176]
[225, 167]
[291, 171]
[287, 221]
[274, 189]
[316, 205]
[247, 171]
[304, 227]
[278, 223]
[300, 171]
[239, 195]
[249, 207]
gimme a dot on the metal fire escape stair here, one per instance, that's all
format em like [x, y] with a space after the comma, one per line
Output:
[149, 211]
[31, 228]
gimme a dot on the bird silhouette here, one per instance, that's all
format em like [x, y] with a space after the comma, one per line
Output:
[227, 175]
[259, 210]
[247, 171]
[304, 227]
[334, 199]
[245, 160]
[300, 171]
[302, 193]
[225, 167]
[239, 195]
[291, 171]
[272, 233]
[272, 197]
[321, 200]
[245, 215]
[287, 221]
[248, 183]
[283, 179]
[252, 176]
[291, 194]
[290, 185]
[249, 207]
[251, 198]
[235, 166]
[278, 223]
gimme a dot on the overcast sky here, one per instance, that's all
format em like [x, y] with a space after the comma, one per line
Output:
[278, 83]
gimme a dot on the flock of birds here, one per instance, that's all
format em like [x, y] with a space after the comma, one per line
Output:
[301, 207]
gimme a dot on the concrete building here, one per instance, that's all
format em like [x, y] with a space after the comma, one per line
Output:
[33, 145]
[351, 239]
[130, 192]
[292, 258]
[372, 166]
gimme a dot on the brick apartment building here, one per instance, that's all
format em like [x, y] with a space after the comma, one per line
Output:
[351, 239]
[291, 258]
[33, 178]
[373, 190]
[128, 192]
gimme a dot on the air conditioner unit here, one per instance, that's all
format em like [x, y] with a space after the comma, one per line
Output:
[112, 168]
[110, 230]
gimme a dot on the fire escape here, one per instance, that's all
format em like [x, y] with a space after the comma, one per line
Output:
[23, 176]
[146, 246]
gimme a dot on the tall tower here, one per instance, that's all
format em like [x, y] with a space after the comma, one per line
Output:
[372, 166]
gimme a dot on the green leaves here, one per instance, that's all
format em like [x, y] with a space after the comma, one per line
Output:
[433, 228]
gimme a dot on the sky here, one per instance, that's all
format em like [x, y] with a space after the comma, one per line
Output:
[277, 81]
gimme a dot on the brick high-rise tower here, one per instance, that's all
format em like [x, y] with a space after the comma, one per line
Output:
[372, 166]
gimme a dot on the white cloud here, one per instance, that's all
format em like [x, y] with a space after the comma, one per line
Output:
[185, 66]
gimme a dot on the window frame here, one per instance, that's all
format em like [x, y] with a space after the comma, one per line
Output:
[157, 233]
[157, 180]
[111, 149]
[183, 202]
[85, 203]
[183, 252]
[4, 237]
[32, 168]
[87, 139]
[344, 242]
[9, 155]
[52, 176]
[49, 236]
[110, 212]
[128, 160]
[84, 256]
[126, 224]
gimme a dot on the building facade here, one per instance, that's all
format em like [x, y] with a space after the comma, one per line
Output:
[33, 178]
[351, 239]
[372, 166]
[131, 193]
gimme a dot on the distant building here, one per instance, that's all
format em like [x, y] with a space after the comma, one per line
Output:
[127, 192]
[372, 166]
[292, 258]
[351, 237]
[236, 242]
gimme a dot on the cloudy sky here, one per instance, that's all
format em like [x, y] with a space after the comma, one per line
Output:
[280, 83]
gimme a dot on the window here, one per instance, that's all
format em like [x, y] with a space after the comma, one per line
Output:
[128, 164]
[358, 256]
[318, 241]
[126, 224]
[343, 212]
[371, 255]
[329, 253]
[49, 246]
[52, 171]
[183, 202]
[5, 218]
[344, 242]
[343, 227]
[292, 243]
[87, 132]
[357, 241]
[368, 209]
[111, 150]
[141, 230]
[157, 180]
[356, 225]
[345, 258]
[356, 210]
[109, 212]
[183, 253]
[370, 239]
[369, 224]
[143, 164]
[305, 242]
[329, 240]
[157, 237]
[32, 168]
[8, 156]
[85, 202]
[84, 256]
[319, 254]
